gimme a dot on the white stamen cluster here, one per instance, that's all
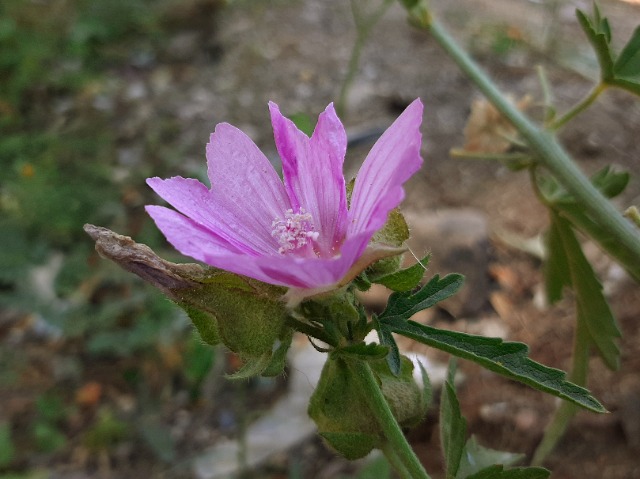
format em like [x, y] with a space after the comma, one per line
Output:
[294, 231]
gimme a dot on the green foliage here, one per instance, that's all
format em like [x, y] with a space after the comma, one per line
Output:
[467, 459]
[569, 267]
[506, 358]
[453, 427]
[566, 265]
[622, 71]
[406, 304]
[405, 279]
[57, 156]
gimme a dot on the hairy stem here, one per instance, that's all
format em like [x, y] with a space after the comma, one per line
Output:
[392, 431]
[549, 152]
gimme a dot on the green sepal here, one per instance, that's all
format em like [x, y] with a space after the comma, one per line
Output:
[205, 323]
[336, 312]
[352, 445]
[363, 351]
[250, 315]
[253, 366]
[279, 357]
[394, 233]
[405, 279]
[499, 472]
[362, 282]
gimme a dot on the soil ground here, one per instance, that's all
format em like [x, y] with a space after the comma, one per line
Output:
[295, 53]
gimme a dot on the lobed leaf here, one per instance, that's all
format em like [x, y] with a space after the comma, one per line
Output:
[592, 307]
[403, 305]
[628, 63]
[599, 35]
[405, 279]
[506, 358]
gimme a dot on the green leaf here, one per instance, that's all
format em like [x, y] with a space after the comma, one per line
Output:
[599, 35]
[610, 183]
[7, 449]
[453, 427]
[498, 472]
[386, 339]
[628, 63]
[405, 279]
[630, 86]
[403, 305]
[364, 351]
[592, 307]
[506, 358]
[475, 458]
[557, 274]
[427, 390]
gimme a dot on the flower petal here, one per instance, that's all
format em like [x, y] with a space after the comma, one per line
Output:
[312, 170]
[187, 236]
[194, 200]
[391, 162]
[246, 192]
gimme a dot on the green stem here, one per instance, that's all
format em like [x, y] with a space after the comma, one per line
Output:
[395, 461]
[390, 427]
[545, 145]
[581, 106]
[363, 29]
[563, 415]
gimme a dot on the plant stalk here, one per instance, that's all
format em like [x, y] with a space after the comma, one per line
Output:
[579, 107]
[550, 153]
[390, 427]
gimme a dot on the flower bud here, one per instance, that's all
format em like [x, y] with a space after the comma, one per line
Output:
[340, 408]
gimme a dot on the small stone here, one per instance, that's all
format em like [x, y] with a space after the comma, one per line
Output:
[459, 242]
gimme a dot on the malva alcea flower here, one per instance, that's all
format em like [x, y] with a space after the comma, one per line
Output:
[299, 232]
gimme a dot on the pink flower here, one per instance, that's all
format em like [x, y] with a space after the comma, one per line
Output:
[298, 233]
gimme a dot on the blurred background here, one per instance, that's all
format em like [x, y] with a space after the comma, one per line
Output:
[100, 376]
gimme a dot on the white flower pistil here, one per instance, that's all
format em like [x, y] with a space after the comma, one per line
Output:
[294, 231]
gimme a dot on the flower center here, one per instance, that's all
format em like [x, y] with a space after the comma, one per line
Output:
[294, 231]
